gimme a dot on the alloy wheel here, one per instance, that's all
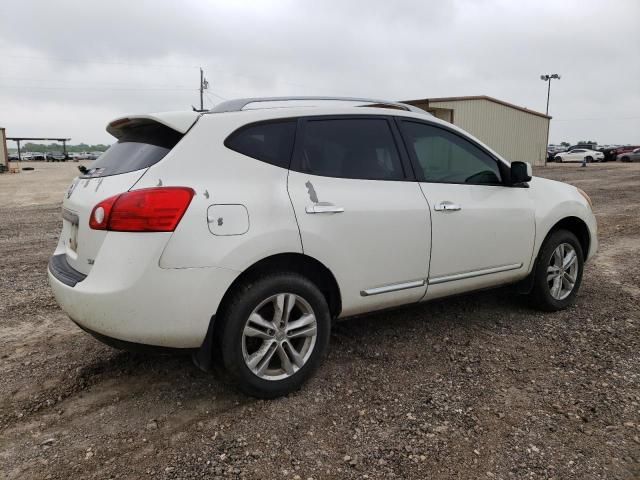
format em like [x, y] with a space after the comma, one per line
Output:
[279, 336]
[562, 271]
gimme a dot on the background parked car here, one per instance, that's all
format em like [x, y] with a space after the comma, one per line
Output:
[609, 154]
[633, 156]
[87, 156]
[56, 157]
[578, 155]
[617, 152]
[584, 146]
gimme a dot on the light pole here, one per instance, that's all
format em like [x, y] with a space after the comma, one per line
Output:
[548, 78]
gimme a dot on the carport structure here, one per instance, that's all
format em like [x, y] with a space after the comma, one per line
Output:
[30, 139]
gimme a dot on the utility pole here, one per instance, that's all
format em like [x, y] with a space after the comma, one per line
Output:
[204, 85]
[202, 90]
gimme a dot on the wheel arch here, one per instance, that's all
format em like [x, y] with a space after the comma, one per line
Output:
[575, 225]
[302, 264]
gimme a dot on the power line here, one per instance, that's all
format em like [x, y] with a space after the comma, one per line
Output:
[150, 65]
[98, 88]
[66, 82]
[98, 62]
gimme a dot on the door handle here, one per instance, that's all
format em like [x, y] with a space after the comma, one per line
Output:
[447, 206]
[323, 208]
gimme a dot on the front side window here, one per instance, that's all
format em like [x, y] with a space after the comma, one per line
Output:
[270, 142]
[445, 157]
[360, 148]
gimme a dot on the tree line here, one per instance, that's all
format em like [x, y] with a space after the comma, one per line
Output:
[57, 147]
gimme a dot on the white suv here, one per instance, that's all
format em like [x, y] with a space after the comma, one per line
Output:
[240, 234]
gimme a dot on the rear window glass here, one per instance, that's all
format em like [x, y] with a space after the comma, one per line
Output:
[140, 147]
[270, 142]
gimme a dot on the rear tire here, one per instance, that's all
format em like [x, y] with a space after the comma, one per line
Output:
[557, 278]
[267, 352]
[624, 159]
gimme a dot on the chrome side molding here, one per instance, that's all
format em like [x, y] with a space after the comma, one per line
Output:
[392, 288]
[434, 281]
[475, 273]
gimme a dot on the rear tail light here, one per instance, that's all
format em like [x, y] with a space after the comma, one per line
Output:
[145, 210]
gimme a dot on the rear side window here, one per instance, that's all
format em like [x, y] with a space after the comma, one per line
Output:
[139, 147]
[360, 148]
[270, 142]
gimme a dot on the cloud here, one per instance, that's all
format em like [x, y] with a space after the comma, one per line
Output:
[83, 63]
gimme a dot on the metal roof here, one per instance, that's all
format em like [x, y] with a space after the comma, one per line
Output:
[475, 97]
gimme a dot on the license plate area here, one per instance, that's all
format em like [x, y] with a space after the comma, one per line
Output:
[70, 231]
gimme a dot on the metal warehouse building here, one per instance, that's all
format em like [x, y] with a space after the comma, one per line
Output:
[516, 133]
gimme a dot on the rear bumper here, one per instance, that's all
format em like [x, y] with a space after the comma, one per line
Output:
[136, 347]
[127, 297]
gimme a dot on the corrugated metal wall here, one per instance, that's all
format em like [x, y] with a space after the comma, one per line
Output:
[514, 134]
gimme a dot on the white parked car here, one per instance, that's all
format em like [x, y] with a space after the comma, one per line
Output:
[240, 234]
[578, 155]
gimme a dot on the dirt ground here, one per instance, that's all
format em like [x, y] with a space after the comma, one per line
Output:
[474, 387]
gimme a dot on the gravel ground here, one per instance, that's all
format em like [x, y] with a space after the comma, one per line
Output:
[479, 386]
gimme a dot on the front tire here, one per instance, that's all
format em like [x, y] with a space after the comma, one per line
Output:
[275, 334]
[558, 273]
[589, 159]
[558, 159]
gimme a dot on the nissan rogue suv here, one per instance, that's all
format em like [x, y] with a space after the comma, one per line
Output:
[241, 233]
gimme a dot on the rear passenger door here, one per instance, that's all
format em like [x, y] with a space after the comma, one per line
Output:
[360, 211]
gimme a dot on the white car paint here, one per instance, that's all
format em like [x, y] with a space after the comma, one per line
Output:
[362, 247]
[578, 155]
[501, 223]
[389, 246]
[178, 121]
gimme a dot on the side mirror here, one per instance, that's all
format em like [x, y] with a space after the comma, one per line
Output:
[521, 172]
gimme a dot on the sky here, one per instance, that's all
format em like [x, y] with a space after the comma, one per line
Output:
[69, 67]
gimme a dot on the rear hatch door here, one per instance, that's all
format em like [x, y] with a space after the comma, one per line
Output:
[142, 142]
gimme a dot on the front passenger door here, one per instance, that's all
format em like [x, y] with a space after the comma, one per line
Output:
[482, 230]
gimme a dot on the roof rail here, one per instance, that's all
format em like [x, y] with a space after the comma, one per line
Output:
[238, 104]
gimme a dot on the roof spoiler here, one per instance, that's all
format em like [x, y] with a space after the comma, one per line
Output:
[181, 122]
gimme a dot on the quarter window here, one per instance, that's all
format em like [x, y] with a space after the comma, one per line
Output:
[270, 142]
[445, 157]
[360, 148]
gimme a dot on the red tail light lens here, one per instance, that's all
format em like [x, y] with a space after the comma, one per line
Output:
[145, 210]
